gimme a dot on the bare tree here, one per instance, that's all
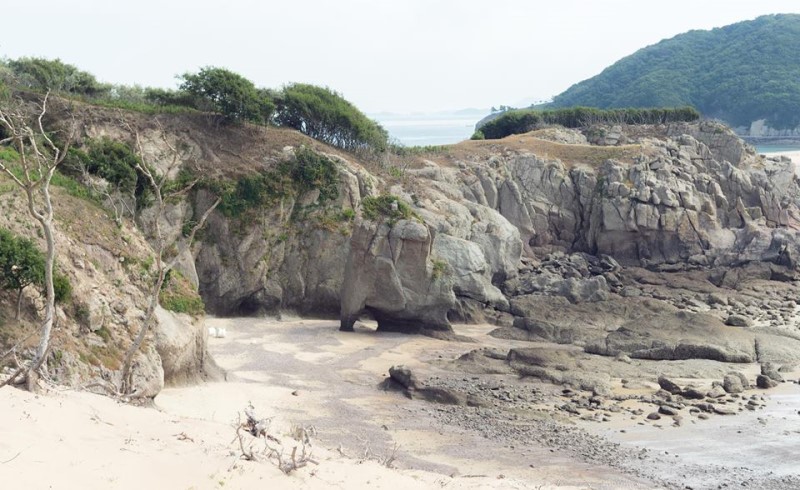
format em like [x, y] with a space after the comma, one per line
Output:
[163, 264]
[39, 156]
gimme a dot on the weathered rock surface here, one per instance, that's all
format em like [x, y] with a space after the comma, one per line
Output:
[390, 275]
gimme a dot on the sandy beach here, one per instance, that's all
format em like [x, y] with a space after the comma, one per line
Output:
[305, 373]
[302, 373]
[794, 155]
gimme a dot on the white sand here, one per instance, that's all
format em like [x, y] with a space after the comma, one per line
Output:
[67, 439]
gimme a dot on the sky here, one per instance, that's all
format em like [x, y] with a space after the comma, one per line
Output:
[397, 56]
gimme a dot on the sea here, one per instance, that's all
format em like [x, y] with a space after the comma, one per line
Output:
[447, 128]
[441, 128]
[776, 148]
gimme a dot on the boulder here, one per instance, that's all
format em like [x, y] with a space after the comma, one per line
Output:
[392, 275]
[668, 385]
[765, 382]
[739, 321]
[734, 383]
[181, 342]
[404, 377]
[771, 371]
[716, 392]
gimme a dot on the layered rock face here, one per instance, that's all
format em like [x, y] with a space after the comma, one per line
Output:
[645, 243]
[390, 274]
[681, 233]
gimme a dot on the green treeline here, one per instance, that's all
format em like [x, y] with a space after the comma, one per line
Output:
[522, 121]
[738, 73]
[319, 112]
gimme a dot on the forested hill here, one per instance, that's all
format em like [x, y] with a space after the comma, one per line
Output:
[738, 73]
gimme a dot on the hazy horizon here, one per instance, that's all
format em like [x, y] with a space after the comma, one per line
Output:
[398, 57]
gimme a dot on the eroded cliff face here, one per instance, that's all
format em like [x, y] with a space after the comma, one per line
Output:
[673, 198]
[544, 234]
[670, 241]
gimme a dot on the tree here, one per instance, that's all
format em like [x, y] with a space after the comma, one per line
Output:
[325, 115]
[43, 74]
[163, 191]
[122, 187]
[21, 264]
[39, 157]
[229, 94]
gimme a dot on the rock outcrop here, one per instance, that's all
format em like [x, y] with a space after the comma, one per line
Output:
[650, 243]
[391, 274]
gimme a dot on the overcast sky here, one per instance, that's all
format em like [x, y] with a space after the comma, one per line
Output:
[398, 55]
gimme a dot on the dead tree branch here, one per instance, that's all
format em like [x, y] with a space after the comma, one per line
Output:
[39, 158]
[157, 185]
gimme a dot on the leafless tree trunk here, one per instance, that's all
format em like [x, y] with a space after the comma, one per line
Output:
[39, 157]
[160, 245]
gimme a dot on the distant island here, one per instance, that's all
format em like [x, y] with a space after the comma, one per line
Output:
[746, 74]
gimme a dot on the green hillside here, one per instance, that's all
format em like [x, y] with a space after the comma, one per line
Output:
[738, 73]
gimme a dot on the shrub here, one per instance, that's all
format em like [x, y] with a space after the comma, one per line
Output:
[21, 262]
[325, 115]
[439, 268]
[111, 160]
[386, 206]
[62, 287]
[43, 74]
[179, 296]
[306, 171]
[227, 93]
[522, 121]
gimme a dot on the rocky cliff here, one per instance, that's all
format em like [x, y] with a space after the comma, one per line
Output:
[667, 242]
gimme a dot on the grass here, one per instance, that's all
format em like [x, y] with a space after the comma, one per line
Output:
[569, 155]
[178, 295]
[387, 206]
[439, 268]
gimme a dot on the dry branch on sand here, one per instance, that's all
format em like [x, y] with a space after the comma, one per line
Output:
[273, 448]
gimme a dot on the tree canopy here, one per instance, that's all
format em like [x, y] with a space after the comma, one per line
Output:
[21, 262]
[228, 93]
[319, 112]
[522, 121]
[325, 115]
[43, 74]
[738, 73]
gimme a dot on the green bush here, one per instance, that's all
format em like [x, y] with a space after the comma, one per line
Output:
[522, 121]
[22, 264]
[179, 296]
[43, 74]
[325, 115]
[111, 160]
[383, 206]
[306, 171]
[62, 287]
[227, 93]
[310, 170]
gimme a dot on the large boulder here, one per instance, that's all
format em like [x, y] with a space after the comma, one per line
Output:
[181, 343]
[392, 274]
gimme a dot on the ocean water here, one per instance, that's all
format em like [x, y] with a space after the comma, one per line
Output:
[776, 148]
[447, 128]
[429, 129]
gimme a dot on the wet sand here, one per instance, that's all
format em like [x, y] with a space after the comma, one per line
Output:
[767, 438]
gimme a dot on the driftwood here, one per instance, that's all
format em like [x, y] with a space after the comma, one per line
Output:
[257, 429]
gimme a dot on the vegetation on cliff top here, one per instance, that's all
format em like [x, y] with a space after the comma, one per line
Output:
[522, 121]
[305, 171]
[320, 113]
[738, 73]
